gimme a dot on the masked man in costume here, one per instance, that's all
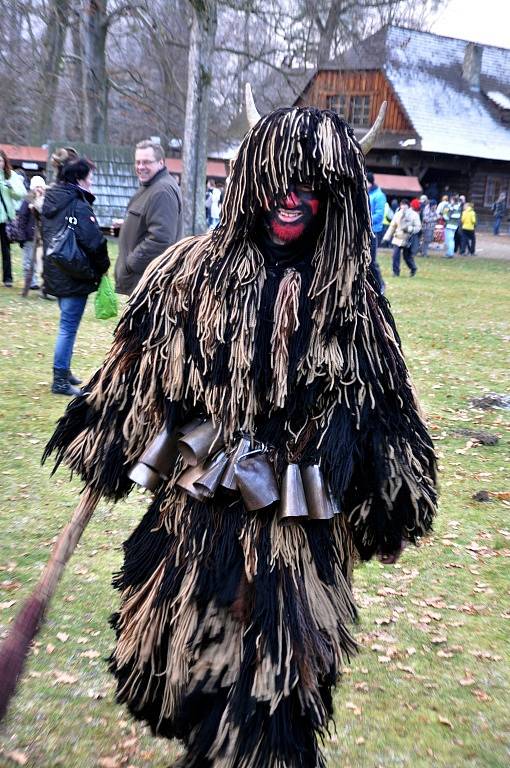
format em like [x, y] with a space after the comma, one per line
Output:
[256, 384]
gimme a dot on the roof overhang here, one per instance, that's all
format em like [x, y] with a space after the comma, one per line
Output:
[398, 184]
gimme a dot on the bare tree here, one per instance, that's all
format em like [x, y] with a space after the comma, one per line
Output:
[51, 67]
[194, 154]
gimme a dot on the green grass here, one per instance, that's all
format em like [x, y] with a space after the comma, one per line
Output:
[430, 686]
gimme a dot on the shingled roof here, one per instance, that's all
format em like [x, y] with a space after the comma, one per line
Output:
[425, 71]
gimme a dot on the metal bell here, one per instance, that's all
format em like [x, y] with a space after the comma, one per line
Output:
[293, 503]
[143, 475]
[228, 480]
[186, 482]
[208, 482]
[196, 445]
[317, 498]
[256, 480]
[158, 456]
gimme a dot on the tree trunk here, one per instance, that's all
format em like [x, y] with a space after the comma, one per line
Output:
[194, 154]
[53, 45]
[327, 32]
[95, 29]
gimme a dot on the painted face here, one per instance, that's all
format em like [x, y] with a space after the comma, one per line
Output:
[289, 218]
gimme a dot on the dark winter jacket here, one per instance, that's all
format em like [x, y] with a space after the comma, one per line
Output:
[152, 224]
[58, 203]
[499, 208]
[26, 222]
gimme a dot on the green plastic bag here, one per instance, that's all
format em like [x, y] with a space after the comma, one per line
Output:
[106, 304]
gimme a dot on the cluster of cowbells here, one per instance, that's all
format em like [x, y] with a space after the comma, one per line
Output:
[210, 467]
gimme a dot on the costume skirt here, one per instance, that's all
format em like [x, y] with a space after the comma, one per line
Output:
[232, 630]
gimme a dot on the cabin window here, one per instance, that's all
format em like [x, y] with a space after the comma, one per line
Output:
[354, 108]
[494, 186]
[359, 112]
[337, 103]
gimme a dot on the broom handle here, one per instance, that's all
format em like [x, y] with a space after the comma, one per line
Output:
[16, 646]
[66, 544]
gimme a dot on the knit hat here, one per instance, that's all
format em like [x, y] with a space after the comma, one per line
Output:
[415, 204]
[37, 181]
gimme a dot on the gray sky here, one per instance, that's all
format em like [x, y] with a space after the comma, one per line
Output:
[483, 21]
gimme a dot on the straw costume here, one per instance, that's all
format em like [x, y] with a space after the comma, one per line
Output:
[260, 390]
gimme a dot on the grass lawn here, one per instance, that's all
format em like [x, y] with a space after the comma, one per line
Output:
[430, 686]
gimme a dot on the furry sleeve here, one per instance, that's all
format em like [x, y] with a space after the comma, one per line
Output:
[140, 385]
[392, 493]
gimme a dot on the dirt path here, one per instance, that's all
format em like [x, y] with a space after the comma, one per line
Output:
[491, 247]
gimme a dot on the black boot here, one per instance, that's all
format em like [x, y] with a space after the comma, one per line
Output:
[61, 385]
[72, 379]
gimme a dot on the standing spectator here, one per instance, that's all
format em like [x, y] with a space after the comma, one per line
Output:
[208, 202]
[12, 190]
[215, 209]
[458, 233]
[154, 217]
[405, 224]
[428, 223]
[413, 244]
[59, 157]
[72, 196]
[498, 211]
[389, 213]
[468, 230]
[442, 205]
[30, 231]
[452, 213]
[378, 203]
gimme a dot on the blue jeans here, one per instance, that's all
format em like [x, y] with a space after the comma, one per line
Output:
[497, 224]
[374, 266]
[71, 313]
[449, 237]
[407, 253]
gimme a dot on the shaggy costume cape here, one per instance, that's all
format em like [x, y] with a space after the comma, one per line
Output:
[233, 630]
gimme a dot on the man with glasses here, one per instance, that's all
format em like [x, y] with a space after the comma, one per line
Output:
[153, 219]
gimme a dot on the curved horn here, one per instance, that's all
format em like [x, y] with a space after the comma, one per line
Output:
[368, 140]
[251, 110]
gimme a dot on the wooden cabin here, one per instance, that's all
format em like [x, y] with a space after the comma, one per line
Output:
[448, 118]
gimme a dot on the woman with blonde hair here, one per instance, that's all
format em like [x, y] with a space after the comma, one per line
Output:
[12, 189]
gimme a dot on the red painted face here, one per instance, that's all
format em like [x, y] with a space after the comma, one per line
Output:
[289, 218]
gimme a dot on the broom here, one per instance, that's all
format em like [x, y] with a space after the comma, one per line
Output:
[15, 647]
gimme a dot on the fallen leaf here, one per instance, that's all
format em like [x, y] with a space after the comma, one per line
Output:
[17, 757]
[98, 695]
[467, 680]
[481, 695]
[9, 586]
[360, 740]
[353, 707]
[445, 721]
[50, 648]
[109, 762]
[63, 637]
[64, 678]
[6, 605]
[90, 654]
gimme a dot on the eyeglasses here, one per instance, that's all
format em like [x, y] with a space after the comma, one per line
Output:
[145, 163]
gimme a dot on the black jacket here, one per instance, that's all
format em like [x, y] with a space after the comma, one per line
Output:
[26, 222]
[58, 203]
